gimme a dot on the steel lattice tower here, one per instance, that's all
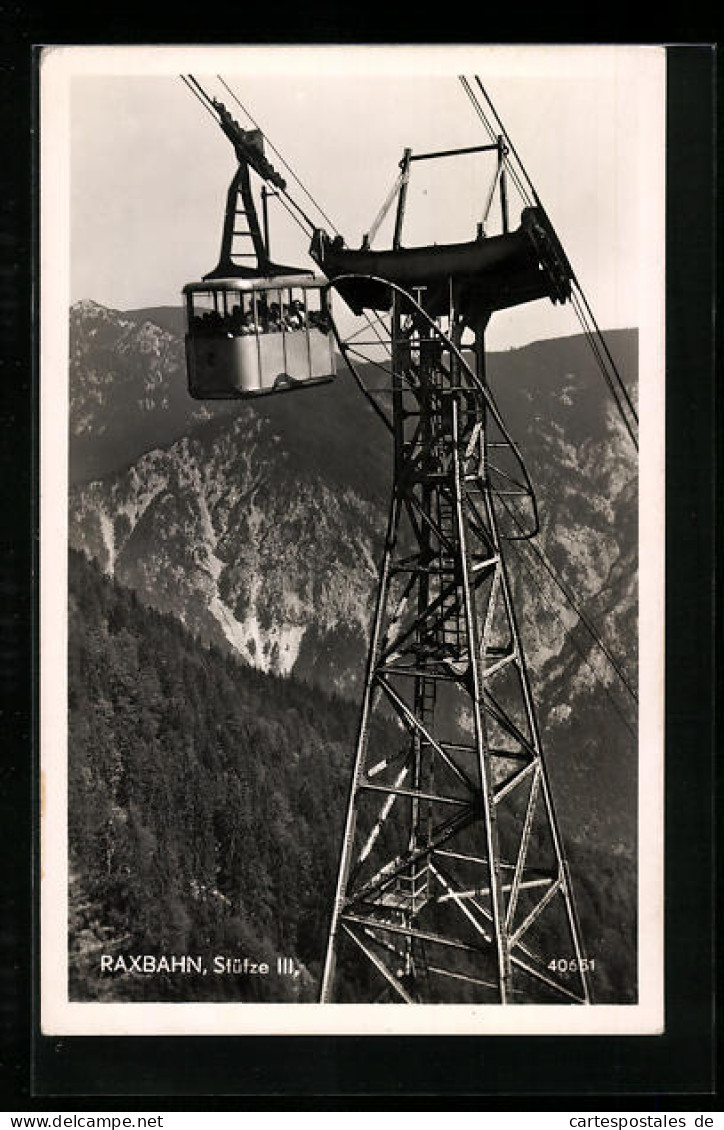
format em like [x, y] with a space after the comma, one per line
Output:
[452, 868]
[452, 883]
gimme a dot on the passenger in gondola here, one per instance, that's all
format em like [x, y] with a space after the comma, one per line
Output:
[250, 326]
[274, 324]
[292, 321]
[212, 321]
[318, 321]
[297, 316]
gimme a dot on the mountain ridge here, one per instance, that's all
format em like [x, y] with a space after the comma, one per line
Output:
[260, 528]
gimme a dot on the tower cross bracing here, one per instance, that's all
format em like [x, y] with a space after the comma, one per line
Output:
[453, 882]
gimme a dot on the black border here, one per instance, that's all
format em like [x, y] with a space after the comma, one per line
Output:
[674, 1071]
[17, 555]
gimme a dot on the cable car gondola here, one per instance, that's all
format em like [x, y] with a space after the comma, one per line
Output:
[248, 337]
[261, 329]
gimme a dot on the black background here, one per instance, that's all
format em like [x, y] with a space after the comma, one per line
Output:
[670, 1072]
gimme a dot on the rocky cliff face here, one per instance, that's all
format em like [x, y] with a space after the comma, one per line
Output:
[260, 526]
[249, 550]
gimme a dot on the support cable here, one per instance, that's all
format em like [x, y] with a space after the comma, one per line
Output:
[509, 143]
[196, 94]
[581, 306]
[288, 167]
[208, 101]
[551, 608]
[285, 199]
[565, 589]
[304, 189]
[601, 351]
[198, 91]
[294, 216]
[610, 382]
[494, 137]
[584, 312]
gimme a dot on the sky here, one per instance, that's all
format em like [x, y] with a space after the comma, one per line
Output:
[148, 170]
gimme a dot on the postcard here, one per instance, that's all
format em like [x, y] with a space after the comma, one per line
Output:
[352, 538]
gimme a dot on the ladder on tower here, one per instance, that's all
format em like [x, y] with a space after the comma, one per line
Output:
[461, 885]
[241, 232]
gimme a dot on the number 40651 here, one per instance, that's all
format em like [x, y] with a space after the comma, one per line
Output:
[572, 965]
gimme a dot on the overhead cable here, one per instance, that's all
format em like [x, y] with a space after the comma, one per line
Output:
[565, 590]
[508, 141]
[288, 167]
[611, 382]
[512, 172]
[585, 315]
[185, 79]
[604, 345]
[571, 639]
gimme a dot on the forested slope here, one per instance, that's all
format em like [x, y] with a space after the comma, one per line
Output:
[205, 800]
[205, 807]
